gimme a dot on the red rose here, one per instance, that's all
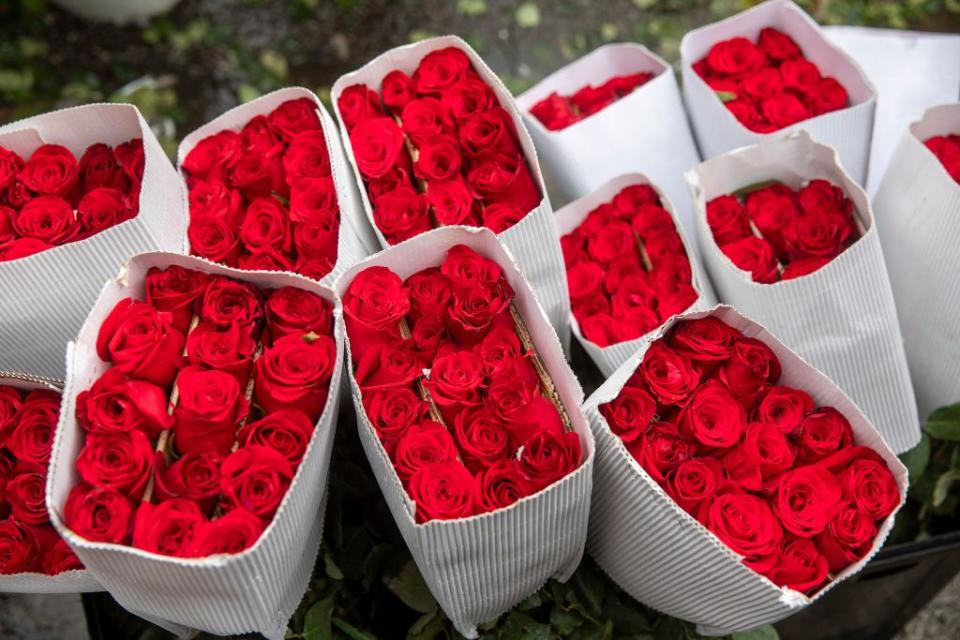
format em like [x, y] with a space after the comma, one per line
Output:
[465, 268]
[438, 159]
[17, 551]
[32, 438]
[785, 408]
[49, 219]
[630, 413]
[734, 56]
[99, 515]
[392, 411]
[754, 255]
[313, 268]
[314, 203]
[430, 293]
[777, 45]
[131, 157]
[375, 302]
[115, 403]
[705, 341]
[141, 342]
[401, 214]
[176, 290]
[429, 333]
[290, 310]
[871, 487]
[589, 99]
[230, 533]
[103, 208]
[784, 109]
[26, 494]
[210, 407]
[661, 450]
[501, 484]
[714, 417]
[440, 69]
[423, 119]
[823, 432]
[287, 431]
[294, 374]
[215, 239]
[260, 174]
[397, 89]
[59, 557]
[387, 364]
[547, 457]
[7, 233]
[422, 445]
[306, 157]
[499, 350]
[761, 84]
[772, 210]
[265, 226]
[266, 260]
[802, 267]
[822, 236]
[377, 144]
[122, 461]
[473, 311]
[99, 168]
[800, 75]
[167, 528]
[483, 440]
[358, 102]
[847, 538]
[746, 524]
[504, 177]
[456, 379]
[213, 157]
[693, 484]
[9, 405]
[764, 452]
[195, 476]
[668, 374]
[228, 350]
[828, 95]
[633, 293]
[466, 98]
[214, 199]
[800, 566]
[751, 367]
[443, 491]
[293, 117]
[488, 132]
[256, 479]
[451, 201]
[555, 112]
[500, 216]
[612, 242]
[229, 302]
[10, 166]
[512, 391]
[807, 499]
[727, 220]
[51, 171]
[601, 329]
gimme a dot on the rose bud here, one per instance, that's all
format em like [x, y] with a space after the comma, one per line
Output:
[555, 112]
[358, 102]
[800, 566]
[807, 499]
[397, 90]
[306, 157]
[23, 247]
[467, 269]
[823, 432]
[504, 177]
[131, 157]
[32, 438]
[693, 484]
[401, 214]
[660, 450]
[705, 341]
[141, 342]
[9, 406]
[751, 367]
[772, 210]
[668, 374]
[195, 476]
[287, 431]
[17, 551]
[228, 302]
[776, 45]
[293, 117]
[210, 407]
[438, 159]
[176, 290]
[115, 403]
[602, 330]
[714, 417]
[847, 538]
[377, 146]
[488, 132]
[294, 373]
[290, 310]
[456, 380]
[122, 461]
[8, 234]
[502, 484]
[500, 216]
[228, 350]
[482, 439]
[266, 226]
[869, 484]
[547, 457]
[422, 445]
[429, 334]
[98, 167]
[451, 201]
[475, 309]
[727, 219]
[103, 208]
[611, 242]
[10, 166]
[802, 267]
[630, 413]
[746, 524]
[230, 533]
[213, 157]
[764, 452]
[440, 69]
[167, 528]
[51, 171]
[266, 260]
[255, 478]
[392, 364]
[99, 515]
[49, 219]
[26, 494]
[785, 408]
[214, 199]
[754, 255]
[499, 349]
[430, 293]
[444, 491]
[374, 303]
[6, 474]
[59, 557]
[392, 411]
[313, 268]
[422, 119]
[215, 239]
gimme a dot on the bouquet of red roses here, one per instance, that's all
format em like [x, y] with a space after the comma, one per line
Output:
[201, 405]
[268, 188]
[736, 483]
[628, 268]
[810, 268]
[468, 414]
[588, 135]
[916, 206]
[436, 140]
[80, 191]
[33, 558]
[771, 70]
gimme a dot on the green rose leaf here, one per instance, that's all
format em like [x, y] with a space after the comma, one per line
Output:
[408, 585]
[944, 423]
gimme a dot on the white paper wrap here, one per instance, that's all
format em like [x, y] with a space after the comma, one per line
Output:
[569, 218]
[841, 318]
[533, 241]
[645, 131]
[75, 581]
[918, 217]
[661, 555]
[256, 590]
[717, 130]
[47, 295]
[355, 240]
[479, 567]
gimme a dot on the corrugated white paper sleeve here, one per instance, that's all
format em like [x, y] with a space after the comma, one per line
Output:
[479, 567]
[841, 318]
[664, 557]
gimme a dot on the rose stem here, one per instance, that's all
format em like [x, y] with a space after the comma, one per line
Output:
[421, 388]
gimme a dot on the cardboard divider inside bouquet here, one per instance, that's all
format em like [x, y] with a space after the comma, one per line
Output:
[645, 131]
[48, 294]
[849, 130]
[356, 239]
[256, 590]
[572, 215]
[841, 318]
[664, 557]
[533, 241]
[480, 566]
[918, 218]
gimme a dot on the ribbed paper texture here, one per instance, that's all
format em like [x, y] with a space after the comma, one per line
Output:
[645, 131]
[253, 591]
[841, 318]
[718, 131]
[479, 567]
[533, 242]
[569, 218]
[661, 555]
[47, 295]
[355, 239]
[918, 217]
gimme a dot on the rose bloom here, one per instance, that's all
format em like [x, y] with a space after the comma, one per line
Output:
[141, 342]
[294, 374]
[99, 515]
[255, 478]
[443, 491]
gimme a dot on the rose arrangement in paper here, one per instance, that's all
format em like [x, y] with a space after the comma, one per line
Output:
[52, 198]
[769, 85]
[193, 435]
[775, 477]
[559, 112]
[627, 269]
[454, 388]
[947, 150]
[778, 233]
[436, 148]
[264, 197]
[28, 542]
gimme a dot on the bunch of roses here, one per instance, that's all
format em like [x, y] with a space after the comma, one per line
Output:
[193, 436]
[51, 199]
[508, 438]
[28, 542]
[778, 479]
[264, 198]
[777, 233]
[947, 150]
[627, 270]
[559, 112]
[769, 85]
[436, 149]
